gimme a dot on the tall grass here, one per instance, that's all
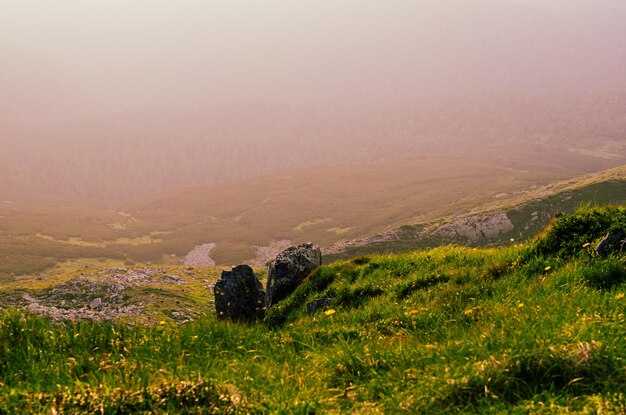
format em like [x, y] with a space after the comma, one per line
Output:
[447, 330]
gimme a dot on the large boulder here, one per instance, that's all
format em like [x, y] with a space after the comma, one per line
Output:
[289, 269]
[239, 295]
[613, 242]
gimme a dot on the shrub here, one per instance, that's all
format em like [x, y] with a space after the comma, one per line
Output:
[567, 236]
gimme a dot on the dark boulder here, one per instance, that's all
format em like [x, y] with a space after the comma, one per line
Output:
[318, 305]
[289, 269]
[239, 295]
[613, 242]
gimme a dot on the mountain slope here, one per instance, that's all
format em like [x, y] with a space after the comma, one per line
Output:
[513, 218]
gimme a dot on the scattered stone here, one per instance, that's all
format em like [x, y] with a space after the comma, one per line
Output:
[239, 295]
[39, 277]
[96, 297]
[172, 279]
[318, 305]
[289, 269]
[116, 289]
[28, 298]
[85, 313]
[180, 315]
[613, 242]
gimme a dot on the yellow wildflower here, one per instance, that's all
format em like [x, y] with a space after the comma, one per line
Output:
[548, 268]
[619, 296]
[586, 245]
[330, 312]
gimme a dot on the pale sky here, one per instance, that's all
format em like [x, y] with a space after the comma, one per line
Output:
[565, 5]
[121, 54]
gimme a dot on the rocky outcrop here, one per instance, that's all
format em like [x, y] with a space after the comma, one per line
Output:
[99, 296]
[613, 242]
[486, 228]
[239, 295]
[477, 228]
[289, 269]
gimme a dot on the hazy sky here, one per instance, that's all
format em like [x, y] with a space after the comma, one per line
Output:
[121, 54]
[93, 91]
[572, 5]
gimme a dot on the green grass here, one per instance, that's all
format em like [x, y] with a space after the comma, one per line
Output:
[527, 329]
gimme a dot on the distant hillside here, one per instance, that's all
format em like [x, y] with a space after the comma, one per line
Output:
[247, 218]
[404, 204]
[508, 219]
[115, 160]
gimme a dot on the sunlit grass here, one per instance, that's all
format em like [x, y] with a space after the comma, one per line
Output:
[445, 330]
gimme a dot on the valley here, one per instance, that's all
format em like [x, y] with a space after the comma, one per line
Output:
[403, 200]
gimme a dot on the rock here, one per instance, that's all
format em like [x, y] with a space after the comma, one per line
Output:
[476, 228]
[180, 315]
[611, 243]
[96, 303]
[289, 269]
[28, 298]
[239, 295]
[172, 279]
[318, 305]
[116, 289]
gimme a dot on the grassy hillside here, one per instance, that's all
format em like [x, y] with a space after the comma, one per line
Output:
[528, 329]
[505, 218]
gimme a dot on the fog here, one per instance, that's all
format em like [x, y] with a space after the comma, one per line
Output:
[115, 71]
[122, 55]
